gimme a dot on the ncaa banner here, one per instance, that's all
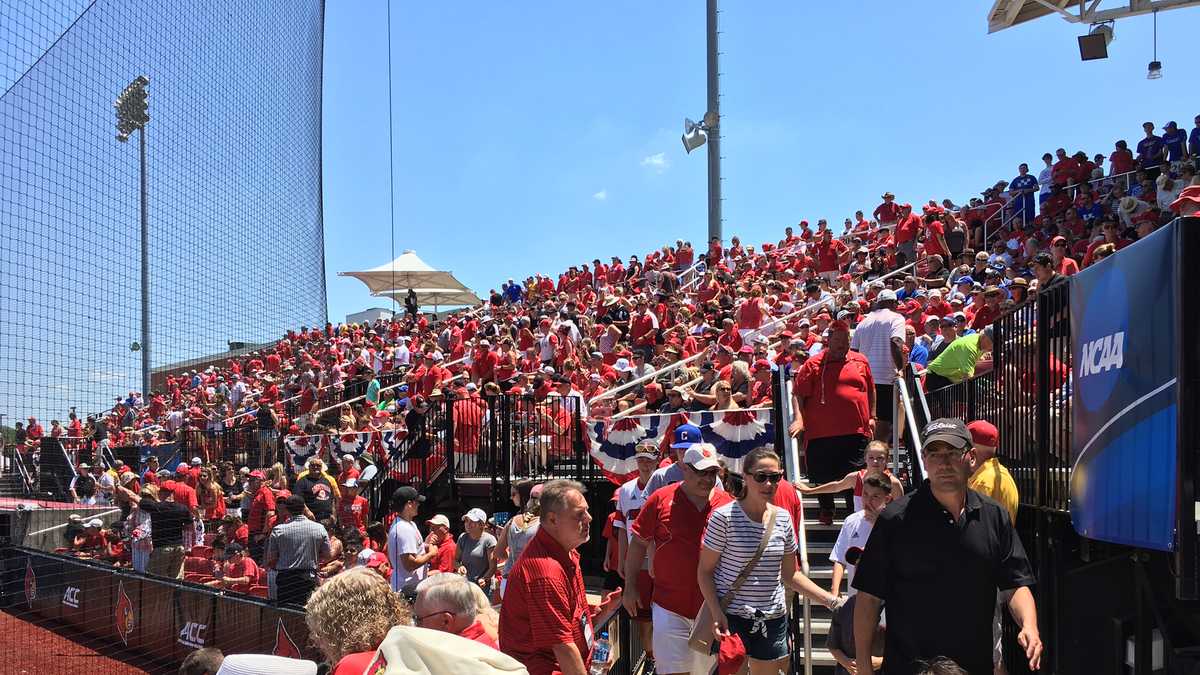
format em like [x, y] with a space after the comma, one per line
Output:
[1124, 395]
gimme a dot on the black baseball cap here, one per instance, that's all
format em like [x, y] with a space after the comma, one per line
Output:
[408, 493]
[948, 430]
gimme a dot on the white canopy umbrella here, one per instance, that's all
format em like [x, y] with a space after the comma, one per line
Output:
[407, 271]
[437, 297]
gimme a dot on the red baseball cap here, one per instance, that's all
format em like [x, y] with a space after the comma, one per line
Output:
[984, 434]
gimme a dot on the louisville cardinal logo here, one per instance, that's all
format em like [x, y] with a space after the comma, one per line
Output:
[283, 642]
[30, 582]
[123, 614]
[378, 665]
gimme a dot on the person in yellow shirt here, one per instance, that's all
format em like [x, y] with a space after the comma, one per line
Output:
[989, 477]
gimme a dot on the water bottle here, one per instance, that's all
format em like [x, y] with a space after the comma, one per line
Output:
[600, 655]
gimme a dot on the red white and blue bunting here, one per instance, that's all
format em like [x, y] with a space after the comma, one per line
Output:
[329, 447]
[734, 433]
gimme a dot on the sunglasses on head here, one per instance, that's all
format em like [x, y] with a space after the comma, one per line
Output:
[764, 476]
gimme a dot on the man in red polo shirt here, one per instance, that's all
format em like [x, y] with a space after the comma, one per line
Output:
[544, 621]
[834, 398]
[829, 254]
[673, 520]
[906, 235]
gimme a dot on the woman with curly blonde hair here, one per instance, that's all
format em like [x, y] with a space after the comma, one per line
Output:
[352, 612]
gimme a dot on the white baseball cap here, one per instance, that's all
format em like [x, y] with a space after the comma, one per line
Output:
[476, 515]
[701, 457]
[196, 461]
[887, 295]
[94, 522]
[439, 519]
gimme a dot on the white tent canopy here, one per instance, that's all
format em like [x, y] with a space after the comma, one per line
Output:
[407, 271]
[437, 297]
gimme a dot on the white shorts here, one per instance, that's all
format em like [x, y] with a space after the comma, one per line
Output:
[671, 651]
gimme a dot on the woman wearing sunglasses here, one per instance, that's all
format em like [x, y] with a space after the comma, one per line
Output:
[748, 588]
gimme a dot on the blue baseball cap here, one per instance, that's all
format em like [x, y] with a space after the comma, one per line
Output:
[964, 280]
[686, 435]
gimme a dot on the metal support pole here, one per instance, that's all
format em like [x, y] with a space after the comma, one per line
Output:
[145, 209]
[714, 131]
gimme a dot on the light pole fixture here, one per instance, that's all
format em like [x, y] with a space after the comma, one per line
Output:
[133, 113]
[696, 134]
[1154, 71]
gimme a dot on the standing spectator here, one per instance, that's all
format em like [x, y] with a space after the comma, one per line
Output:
[1175, 141]
[876, 457]
[544, 621]
[318, 489]
[447, 603]
[887, 214]
[1045, 180]
[906, 235]
[989, 477]
[520, 529]
[1063, 264]
[1150, 152]
[880, 337]
[295, 550]
[408, 553]
[834, 404]
[941, 595]
[747, 555]
[474, 559]
[1064, 169]
[672, 521]
[1194, 139]
[266, 422]
[631, 496]
[877, 492]
[168, 521]
[447, 550]
[1022, 190]
[353, 507]
[261, 512]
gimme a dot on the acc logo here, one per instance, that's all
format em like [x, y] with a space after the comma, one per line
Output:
[71, 597]
[192, 635]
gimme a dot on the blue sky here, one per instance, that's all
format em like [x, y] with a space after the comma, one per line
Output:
[533, 136]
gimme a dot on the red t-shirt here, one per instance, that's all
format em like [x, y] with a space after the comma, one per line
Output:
[835, 395]
[1067, 266]
[264, 500]
[984, 316]
[907, 228]
[443, 560]
[933, 230]
[545, 605]
[611, 533]
[675, 526]
[827, 254]
[1121, 161]
[788, 499]
[353, 513]
[186, 495]
[887, 212]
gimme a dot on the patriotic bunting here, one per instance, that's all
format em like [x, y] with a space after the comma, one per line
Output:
[734, 433]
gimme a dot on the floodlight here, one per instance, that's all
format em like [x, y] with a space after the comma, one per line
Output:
[1094, 45]
[693, 135]
[1154, 71]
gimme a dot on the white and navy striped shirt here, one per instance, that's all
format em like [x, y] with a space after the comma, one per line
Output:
[736, 537]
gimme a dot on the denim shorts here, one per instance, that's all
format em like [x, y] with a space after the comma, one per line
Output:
[765, 639]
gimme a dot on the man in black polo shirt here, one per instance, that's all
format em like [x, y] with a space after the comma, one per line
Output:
[936, 557]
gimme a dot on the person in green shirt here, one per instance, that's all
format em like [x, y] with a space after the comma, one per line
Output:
[373, 389]
[957, 362]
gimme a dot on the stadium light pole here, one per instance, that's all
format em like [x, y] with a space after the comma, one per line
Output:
[132, 106]
[713, 118]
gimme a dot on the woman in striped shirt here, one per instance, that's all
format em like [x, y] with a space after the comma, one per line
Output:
[757, 612]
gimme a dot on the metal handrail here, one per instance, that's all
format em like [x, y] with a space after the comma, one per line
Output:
[912, 423]
[791, 464]
[26, 476]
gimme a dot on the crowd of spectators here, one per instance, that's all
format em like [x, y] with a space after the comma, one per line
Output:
[675, 330]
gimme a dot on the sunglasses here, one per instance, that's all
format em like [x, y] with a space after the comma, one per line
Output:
[764, 476]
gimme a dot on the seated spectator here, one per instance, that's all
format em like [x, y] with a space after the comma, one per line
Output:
[236, 570]
[349, 615]
[92, 541]
[446, 602]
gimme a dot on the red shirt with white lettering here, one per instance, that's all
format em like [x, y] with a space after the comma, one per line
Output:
[675, 526]
[353, 512]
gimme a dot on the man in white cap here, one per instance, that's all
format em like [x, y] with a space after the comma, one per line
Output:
[673, 521]
[352, 508]
[447, 549]
[880, 337]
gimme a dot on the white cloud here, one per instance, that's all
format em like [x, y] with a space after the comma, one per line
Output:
[601, 195]
[658, 162]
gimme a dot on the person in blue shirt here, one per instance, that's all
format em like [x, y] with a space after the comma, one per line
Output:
[1023, 189]
[1194, 140]
[918, 352]
[1150, 151]
[1175, 141]
[514, 293]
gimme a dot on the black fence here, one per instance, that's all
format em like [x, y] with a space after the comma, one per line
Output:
[62, 614]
